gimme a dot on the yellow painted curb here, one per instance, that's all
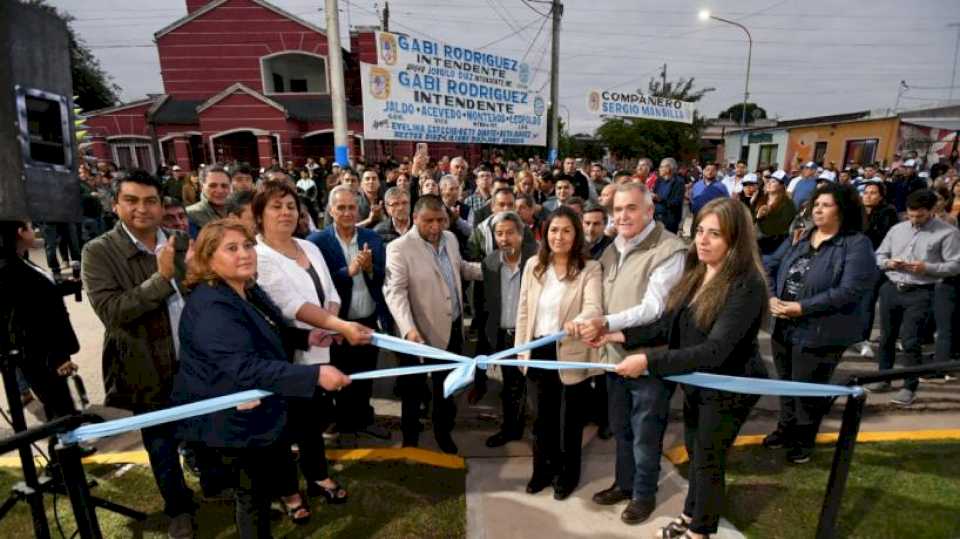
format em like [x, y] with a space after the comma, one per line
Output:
[678, 454]
[414, 454]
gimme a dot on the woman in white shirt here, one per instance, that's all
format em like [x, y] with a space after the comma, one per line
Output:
[294, 275]
[559, 285]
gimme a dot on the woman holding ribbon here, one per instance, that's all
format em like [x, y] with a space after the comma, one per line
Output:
[710, 324]
[559, 286]
[293, 272]
[233, 338]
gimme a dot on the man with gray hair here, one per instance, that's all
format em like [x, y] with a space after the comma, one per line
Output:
[397, 203]
[644, 172]
[668, 191]
[502, 272]
[640, 268]
[460, 169]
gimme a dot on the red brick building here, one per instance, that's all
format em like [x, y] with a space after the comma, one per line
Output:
[246, 80]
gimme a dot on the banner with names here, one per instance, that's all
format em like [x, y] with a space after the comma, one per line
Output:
[432, 91]
[637, 105]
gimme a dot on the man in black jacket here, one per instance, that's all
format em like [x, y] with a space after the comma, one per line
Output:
[668, 196]
[502, 273]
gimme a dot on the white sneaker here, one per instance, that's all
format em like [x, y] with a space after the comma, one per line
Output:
[865, 349]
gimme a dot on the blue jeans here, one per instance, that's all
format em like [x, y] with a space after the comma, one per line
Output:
[639, 412]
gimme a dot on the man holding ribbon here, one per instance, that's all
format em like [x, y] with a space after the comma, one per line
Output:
[423, 291]
[639, 270]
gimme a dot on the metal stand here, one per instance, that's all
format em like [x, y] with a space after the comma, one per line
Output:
[30, 489]
[840, 470]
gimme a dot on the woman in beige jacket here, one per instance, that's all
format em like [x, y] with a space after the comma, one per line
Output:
[559, 285]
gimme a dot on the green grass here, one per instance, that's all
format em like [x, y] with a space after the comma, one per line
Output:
[895, 490]
[387, 499]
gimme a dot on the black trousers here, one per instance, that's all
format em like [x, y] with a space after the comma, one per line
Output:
[352, 409]
[305, 421]
[54, 394]
[903, 314]
[947, 314]
[444, 410]
[558, 428]
[801, 416]
[711, 422]
[513, 396]
[254, 471]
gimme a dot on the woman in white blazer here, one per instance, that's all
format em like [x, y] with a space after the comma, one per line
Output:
[293, 273]
[559, 286]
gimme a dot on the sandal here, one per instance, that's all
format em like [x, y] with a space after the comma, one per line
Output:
[299, 513]
[678, 528]
[334, 495]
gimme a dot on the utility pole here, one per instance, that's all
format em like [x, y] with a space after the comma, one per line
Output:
[386, 16]
[663, 80]
[338, 96]
[554, 143]
[956, 56]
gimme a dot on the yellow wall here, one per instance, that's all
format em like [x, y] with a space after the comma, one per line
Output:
[802, 140]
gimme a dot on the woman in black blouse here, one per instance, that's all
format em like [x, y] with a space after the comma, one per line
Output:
[711, 323]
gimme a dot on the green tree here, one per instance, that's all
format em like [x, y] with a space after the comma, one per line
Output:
[628, 138]
[92, 86]
[754, 112]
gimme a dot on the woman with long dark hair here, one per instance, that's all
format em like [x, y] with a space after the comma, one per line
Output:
[711, 322]
[818, 287]
[558, 286]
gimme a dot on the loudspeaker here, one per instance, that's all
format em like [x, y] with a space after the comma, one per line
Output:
[38, 179]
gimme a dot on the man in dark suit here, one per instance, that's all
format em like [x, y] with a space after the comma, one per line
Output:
[668, 192]
[502, 271]
[355, 257]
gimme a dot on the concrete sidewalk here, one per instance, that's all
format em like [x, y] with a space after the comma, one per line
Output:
[498, 507]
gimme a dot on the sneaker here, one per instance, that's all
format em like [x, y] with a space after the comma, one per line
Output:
[904, 397]
[331, 432]
[776, 439]
[181, 527]
[865, 349]
[799, 454]
[878, 387]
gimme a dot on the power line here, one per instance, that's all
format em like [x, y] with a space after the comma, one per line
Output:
[511, 34]
[535, 37]
[505, 20]
[535, 10]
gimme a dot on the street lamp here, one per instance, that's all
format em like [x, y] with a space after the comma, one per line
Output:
[705, 15]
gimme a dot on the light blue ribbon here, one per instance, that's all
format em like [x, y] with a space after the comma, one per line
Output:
[462, 369]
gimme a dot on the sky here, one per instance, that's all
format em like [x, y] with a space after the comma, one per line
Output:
[810, 57]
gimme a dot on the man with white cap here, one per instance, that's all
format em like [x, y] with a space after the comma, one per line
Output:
[803, 186]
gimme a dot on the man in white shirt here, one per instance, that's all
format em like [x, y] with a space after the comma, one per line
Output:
[355, 257]
[734, 183]
[640, 269]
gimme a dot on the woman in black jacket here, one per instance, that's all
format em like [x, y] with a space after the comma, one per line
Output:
[879, 216]
[817, 289]
[710, 324]
[233, 338]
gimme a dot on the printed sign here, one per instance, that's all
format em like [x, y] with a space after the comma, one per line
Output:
[637, 105]
[426, 90]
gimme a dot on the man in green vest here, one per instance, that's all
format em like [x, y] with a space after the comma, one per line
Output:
[640, 267]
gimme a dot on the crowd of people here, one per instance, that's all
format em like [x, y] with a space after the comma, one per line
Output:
[232, 278]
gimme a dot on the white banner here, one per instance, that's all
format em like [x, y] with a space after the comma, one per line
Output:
[637, 105]
[430, 91]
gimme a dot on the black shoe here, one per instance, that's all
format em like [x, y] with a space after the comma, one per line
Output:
[638, 510]
[536, 484]
[799, 454]
[501, 438]
[562, 491]
[604, 433]
[611, 496]
[411, 440]
[777, 439]
[446, 444]
[376, 431]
